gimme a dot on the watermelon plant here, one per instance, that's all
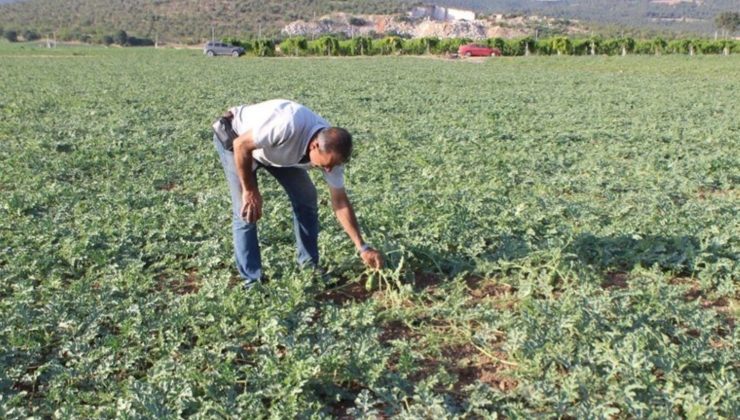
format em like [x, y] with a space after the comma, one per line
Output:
[561, 237]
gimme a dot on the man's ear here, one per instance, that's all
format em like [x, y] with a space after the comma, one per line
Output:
[314, 145]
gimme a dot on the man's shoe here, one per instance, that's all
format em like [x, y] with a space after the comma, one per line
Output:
[323, 275]
[249, 284]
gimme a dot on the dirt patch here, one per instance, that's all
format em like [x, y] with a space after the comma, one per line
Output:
[480, 289]
[468, 365]
[426, 281]
[709, 193]
[723, 306]
[339, 409]
[180, 285]
[396, 330]
[695, 293]
[165, 185]
[501, 295]
[352, 292]
[718, 304]
[616, 280]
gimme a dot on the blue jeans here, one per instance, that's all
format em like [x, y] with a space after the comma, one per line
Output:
[302, 195]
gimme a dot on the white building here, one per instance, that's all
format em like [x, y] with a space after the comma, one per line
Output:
[441, 13]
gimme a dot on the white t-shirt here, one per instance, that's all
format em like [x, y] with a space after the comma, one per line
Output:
[281, 130]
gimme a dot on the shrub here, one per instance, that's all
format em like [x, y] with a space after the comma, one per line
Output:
[360, 45]
[238, 43]
[413, 47]
[418, 46]
[294, 46]
[643, 47]
[608, 46]
[326, 45]
[496, 43]
[561, 45]
[355, 21]
[626, 45]
[11, 35]
[543, 46]
[390, 45]
[120, 37]
[659, 45]
[682, 46]
[30, 35]
[451, 45]
[264, 48]
[139, 42]
[582, 46]
[711, 47]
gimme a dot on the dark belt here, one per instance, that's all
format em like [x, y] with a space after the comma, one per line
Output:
[225, 133]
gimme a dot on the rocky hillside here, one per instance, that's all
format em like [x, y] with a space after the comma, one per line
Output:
[175, 20]
[491, 27]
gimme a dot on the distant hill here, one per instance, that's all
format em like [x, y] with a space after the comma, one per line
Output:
[177, 20]
[193, 21]
[678, 15]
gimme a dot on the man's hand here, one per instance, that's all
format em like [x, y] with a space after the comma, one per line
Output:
[251, 206]
[372, 258]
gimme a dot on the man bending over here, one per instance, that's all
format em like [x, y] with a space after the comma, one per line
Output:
[286, 139]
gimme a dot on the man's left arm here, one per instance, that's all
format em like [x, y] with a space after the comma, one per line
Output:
[346, 216]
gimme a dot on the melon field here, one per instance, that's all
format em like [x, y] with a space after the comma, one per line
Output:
[561, 236]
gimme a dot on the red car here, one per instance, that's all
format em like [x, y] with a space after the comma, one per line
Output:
[475, 50]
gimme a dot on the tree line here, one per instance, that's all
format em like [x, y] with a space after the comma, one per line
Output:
[119, 37]
[331, 45]
[559, 45]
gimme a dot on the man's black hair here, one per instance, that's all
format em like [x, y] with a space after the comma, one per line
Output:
[336, 140]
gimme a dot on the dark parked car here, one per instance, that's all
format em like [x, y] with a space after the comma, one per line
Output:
[475, 50]
[220, 48]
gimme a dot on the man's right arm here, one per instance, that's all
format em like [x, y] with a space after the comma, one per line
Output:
[251, 210]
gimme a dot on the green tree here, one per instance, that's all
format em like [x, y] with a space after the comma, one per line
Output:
[543, 46]
[120, 37]
[562, 45]
[390, 45]
[237, 42]
[430, 43]
[451, 45]
[626, 45]
[11, 35]
[328, 45]
[30, 35]
[264, 48]
[594, 42]
[413, 47]
[608, 46]
[727, 22]
[294, 46]
[496, 43]
[527, 44]
[682, 46]
[360, 45]
[659, 44]
[513, 47]
[581, 46]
